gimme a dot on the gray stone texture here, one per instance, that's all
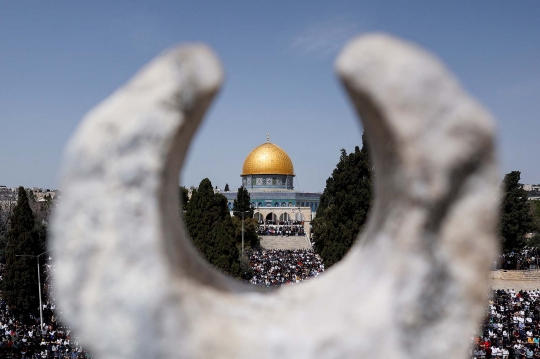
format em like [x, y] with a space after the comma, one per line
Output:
[131, 284]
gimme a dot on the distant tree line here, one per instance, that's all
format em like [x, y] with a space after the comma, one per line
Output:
[342, 213]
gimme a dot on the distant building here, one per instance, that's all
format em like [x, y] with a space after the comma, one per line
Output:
[268, 175]
[8, 199]
[531, 187]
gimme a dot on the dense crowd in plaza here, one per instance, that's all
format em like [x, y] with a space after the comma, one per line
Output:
[275, 267]
[511, 328]
[527, 258]
[23, 337]
[281, 228]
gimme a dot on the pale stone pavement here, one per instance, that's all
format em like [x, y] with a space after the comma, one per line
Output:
[514, 284]
[301, 242]
[278, 242]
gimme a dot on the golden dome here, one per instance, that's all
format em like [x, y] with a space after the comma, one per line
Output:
[268, 159]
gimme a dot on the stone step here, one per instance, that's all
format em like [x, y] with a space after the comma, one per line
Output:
[518, 275]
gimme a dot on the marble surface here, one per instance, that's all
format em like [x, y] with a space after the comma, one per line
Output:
[131, 284]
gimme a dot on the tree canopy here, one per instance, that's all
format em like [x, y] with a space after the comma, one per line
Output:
[184, 197]
[5, 214]
[211, 228]
[344, 205]
[226, 187]
[516, 217]
[535, 215]
[242, 203]
[25, 237]
[251, 238]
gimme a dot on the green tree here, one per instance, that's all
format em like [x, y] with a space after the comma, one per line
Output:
[535, 215]
[227, 187]
[25, 237]
[344, 205]
[516, 217]
[242, 203]
[251, 238]
[534, 241]
[184, 197]
[211, 228]
[5, 214]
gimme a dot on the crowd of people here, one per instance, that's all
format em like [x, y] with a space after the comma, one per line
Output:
[276, 267]
[23, 337]
[511, 328]
[281, 228]
[527, 258]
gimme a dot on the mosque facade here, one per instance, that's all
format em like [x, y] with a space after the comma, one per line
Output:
[268, 175]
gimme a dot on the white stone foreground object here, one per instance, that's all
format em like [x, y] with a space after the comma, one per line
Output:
[414, 286]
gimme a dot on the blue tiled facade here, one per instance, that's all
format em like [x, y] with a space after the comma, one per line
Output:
[279, 198]
[252, 182]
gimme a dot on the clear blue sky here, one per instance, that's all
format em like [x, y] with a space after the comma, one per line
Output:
[59, 58]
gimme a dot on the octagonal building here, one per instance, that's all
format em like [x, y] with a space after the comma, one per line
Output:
[268, 174]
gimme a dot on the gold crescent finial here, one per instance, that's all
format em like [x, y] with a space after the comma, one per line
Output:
[268, 137]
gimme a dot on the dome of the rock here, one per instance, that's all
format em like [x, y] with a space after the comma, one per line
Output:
[268, 159]
[268, 176]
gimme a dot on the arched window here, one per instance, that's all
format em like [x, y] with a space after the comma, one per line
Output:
[258, 216]
[283, 204]
[276, 204]
[284, 217]
[259, 204]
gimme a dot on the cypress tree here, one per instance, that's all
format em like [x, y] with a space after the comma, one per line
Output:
[344, 205]
[516, 217]
[184, 197]
[210, 227]
[20, 284]
[535, 215]
[242, 203]
[226, 187]
[5, 213]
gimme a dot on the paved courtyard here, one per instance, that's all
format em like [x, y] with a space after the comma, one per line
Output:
[279, 242]
[514, 284]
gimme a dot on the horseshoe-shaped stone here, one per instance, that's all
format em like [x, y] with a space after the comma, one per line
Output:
[131, 284]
